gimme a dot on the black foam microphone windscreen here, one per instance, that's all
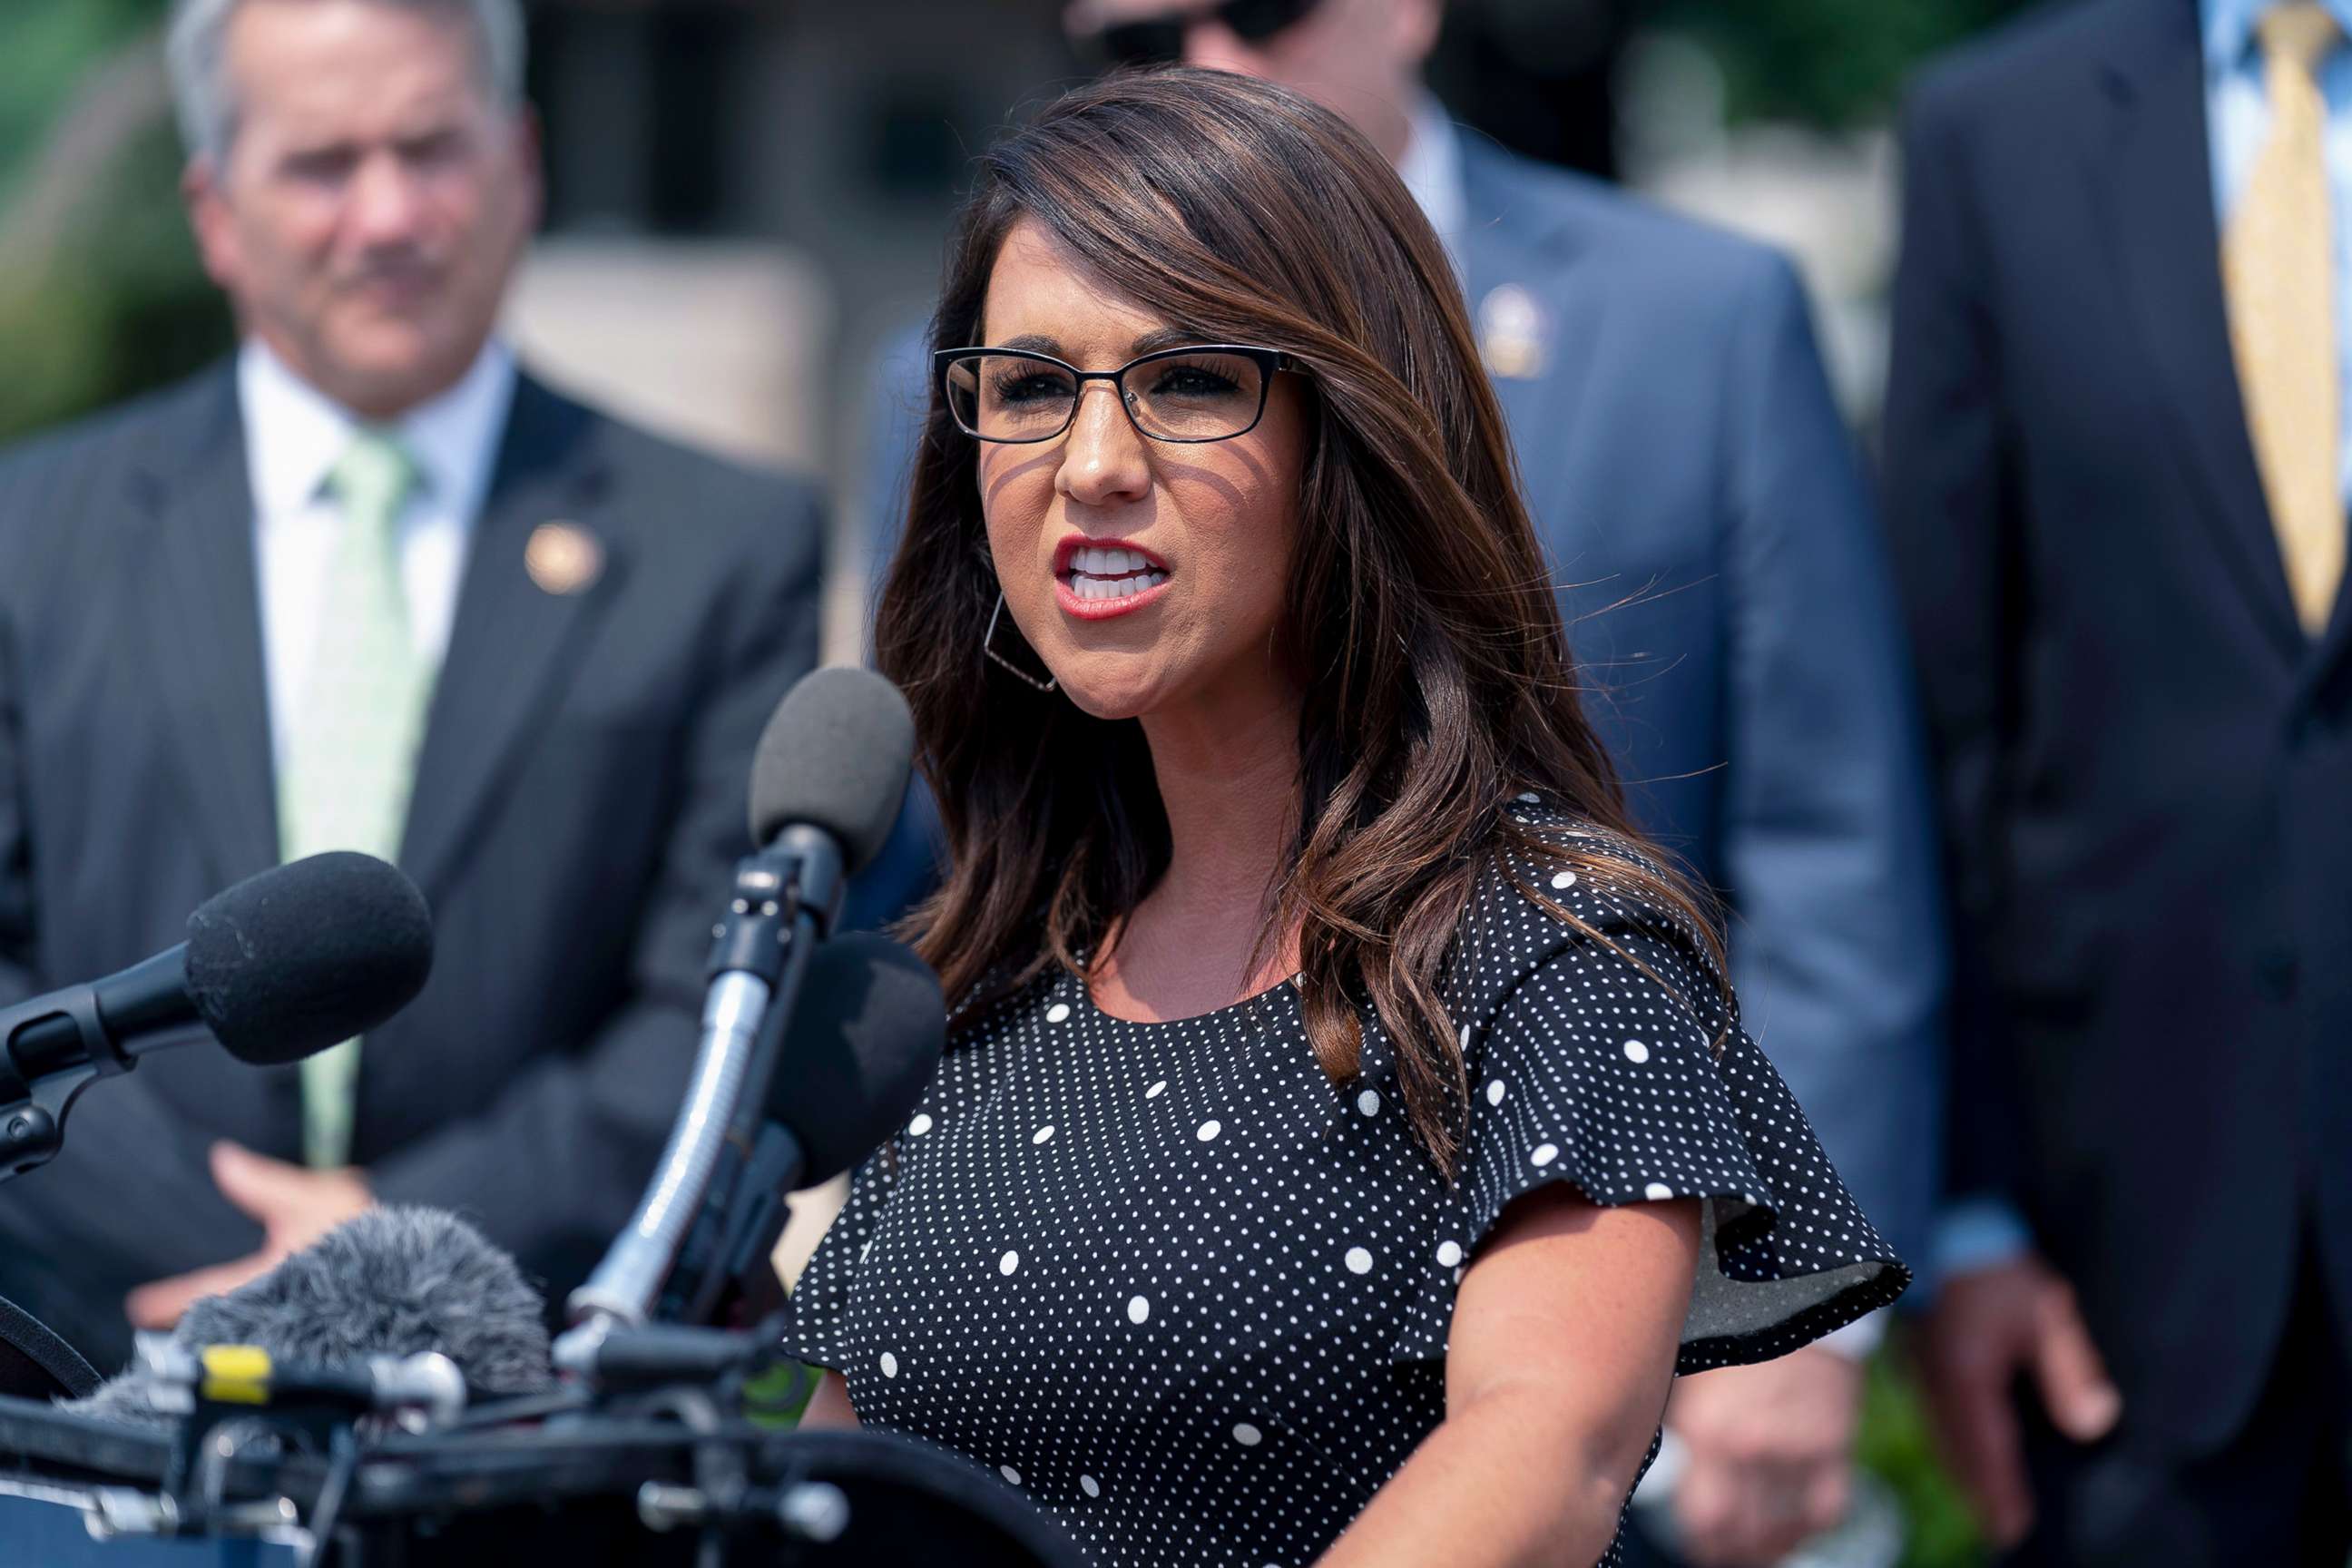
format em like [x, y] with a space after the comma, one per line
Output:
[834, 756]
[862, 1047]
[394, 1281]
[289, 961]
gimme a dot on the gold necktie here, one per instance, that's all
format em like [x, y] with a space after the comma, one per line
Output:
[2278, 270]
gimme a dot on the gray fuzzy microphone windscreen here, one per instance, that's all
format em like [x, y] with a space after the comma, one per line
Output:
[394, 1281]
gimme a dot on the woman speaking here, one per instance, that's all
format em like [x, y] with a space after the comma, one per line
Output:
[1347, 1131]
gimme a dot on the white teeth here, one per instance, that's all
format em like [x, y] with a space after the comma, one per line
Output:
[1128, 587]
[1130, 560]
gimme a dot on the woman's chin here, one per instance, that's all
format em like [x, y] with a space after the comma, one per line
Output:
[1108, 693]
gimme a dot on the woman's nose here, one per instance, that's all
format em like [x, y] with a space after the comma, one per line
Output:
[1103, 455]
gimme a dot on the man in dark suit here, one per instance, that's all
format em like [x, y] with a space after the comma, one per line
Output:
[2114, 472]
[370, 586]
[1723, 581]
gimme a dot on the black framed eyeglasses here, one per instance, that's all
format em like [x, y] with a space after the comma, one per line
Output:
[1160, 40]
[1206, 391]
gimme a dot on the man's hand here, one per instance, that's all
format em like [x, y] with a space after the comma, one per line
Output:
[1771, 1452]
[295, 1205]
[1986, 1327]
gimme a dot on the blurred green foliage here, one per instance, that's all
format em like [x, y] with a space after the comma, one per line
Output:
[1895, 1446]
[1830, 63]
[100, 293]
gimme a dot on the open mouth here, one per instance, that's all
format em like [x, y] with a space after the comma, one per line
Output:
[1097, 578]
[1094, 574]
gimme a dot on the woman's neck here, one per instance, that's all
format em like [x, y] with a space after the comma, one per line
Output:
[1228, 778]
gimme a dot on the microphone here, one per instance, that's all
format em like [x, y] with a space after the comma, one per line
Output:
[276, 968]
[835, 759]
[827, 780]
[860, 1054]
[390, 1285]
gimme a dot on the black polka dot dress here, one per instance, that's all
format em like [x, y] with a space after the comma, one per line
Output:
[1192, 1298]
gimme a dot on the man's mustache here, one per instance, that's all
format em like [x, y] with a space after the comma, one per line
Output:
[400, 266]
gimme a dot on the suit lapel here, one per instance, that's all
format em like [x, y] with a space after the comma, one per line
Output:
[1515, 253]
[509, 644]
[203, 622]
[2155, 180]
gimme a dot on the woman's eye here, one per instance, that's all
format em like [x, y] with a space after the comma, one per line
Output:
[1192, 381]
[1030, 388]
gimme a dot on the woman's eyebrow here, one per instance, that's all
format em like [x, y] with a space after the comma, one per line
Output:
[1161, 338]
[1032, 342]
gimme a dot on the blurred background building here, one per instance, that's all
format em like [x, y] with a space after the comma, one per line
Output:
[747, 196]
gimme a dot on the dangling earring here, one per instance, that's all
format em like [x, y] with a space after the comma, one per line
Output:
[988, 646]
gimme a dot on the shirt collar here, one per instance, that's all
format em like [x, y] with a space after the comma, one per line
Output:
[295, 434]
[2229, 29]
[1431, 167]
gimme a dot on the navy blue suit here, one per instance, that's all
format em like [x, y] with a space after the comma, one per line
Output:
[1682, 455]
[2147, 771]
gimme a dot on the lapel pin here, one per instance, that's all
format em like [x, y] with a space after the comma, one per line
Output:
[1511, 334]
[563, 557]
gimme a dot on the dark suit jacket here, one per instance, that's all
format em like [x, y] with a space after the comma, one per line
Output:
[2147, 765]
[1728, 596]
[578, 802]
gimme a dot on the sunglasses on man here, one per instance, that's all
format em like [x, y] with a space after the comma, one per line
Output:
[1160, 40]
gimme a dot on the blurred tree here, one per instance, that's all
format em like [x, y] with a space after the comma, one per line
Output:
[1540, 76]
[1829, 63]
[100, 293]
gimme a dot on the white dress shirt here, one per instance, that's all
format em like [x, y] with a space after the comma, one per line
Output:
[294, 436]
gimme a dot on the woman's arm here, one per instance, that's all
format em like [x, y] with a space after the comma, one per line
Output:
[1557, 1369]
[828, 1407]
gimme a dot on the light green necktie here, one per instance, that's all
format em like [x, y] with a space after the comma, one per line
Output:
[350, 761]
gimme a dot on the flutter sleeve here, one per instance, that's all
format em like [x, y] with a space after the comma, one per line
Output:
[1608, 1059]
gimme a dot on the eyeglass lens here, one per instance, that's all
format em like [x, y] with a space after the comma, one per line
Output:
[1203, 397]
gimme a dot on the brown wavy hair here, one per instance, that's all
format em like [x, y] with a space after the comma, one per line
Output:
[1438, 680]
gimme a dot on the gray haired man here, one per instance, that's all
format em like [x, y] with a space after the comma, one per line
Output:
[370, 585]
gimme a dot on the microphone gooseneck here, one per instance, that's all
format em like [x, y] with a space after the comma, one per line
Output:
[826, 784]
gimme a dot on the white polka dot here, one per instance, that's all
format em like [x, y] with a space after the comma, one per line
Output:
[1369, 1102]
[1043, 1134]
[865, 1250]
[1466, 1036]
[1530, 797]
[1657, 1192]
[1449, 1253]
[889, 1364]
[1156, 1090]
[1545, 1153]
[1636, 1051]
[1090, 1486]
[1494, 1093]
[1359, 1261]
[1248, 1436]
[1008, 1263]
[1563, 881]
[1138, 1309]
[1057, 1012]
[1209, 1131]
[1457, 1277]
[920, 1124]
[1009, 1473]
